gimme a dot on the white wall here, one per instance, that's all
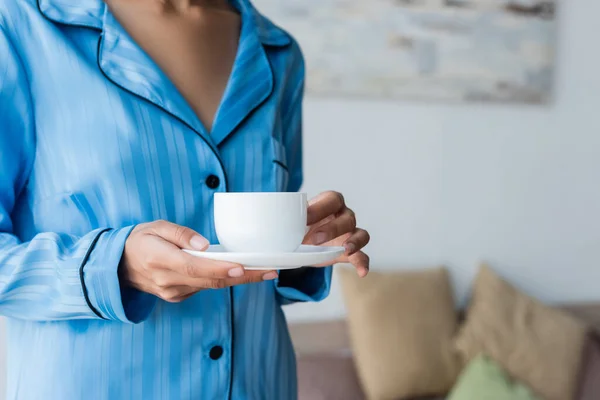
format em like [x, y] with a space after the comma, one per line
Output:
[518, 186]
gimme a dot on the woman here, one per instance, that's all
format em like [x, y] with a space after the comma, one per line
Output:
[115, 118]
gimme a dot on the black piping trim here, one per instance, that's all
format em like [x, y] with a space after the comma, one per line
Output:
[232, 344]
[282, 165]
[162, 108]
[82, 280]
[39, 7]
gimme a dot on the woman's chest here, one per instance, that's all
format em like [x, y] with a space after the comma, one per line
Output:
[196, 49]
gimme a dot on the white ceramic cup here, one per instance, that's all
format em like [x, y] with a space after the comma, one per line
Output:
[260, 222]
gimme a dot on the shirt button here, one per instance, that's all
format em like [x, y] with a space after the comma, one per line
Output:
[216, 352]
[213, 181]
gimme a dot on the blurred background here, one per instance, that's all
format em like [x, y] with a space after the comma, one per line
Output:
[461, 132]
[442, 178]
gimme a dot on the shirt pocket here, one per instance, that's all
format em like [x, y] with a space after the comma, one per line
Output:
[281, 171]
[75, 213]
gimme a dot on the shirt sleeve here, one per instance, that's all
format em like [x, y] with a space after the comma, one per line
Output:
[305, 284]
[53, 276]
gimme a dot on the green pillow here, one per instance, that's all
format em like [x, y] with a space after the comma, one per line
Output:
[483, 379]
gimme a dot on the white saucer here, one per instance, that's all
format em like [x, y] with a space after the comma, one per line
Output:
[303, 257]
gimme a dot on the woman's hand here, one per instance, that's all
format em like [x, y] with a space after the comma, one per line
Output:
[332, 223]
[153, 262]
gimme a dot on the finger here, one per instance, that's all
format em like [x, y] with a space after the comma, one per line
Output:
[361, 262]
[323, 205]
[169, 278]
[253, 277]
[359, 239]
[338, 241]
[249, 277]
[176, 294]
[195, 267]
[181, 236]
[167, 256]
[341, 225]
[314, 227]
[359, 259]
[166, 278]
[201, 273]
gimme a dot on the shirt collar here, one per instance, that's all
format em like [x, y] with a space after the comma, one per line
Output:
[89, 14]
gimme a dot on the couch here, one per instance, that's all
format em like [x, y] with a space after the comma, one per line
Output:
[326, 369]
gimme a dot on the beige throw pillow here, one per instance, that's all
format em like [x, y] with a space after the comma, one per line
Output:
[535, 344]
[401, 326]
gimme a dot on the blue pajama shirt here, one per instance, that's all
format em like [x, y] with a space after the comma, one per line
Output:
[95, 139]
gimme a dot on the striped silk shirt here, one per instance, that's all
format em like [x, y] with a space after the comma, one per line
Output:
[94, 139]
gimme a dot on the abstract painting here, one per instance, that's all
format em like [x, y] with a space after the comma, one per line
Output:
[448, 50]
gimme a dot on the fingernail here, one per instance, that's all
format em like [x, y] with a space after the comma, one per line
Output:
[236, 272]
[269, 276]
[320, 238]
[198, 242]
[350, 248]
[363, 272]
